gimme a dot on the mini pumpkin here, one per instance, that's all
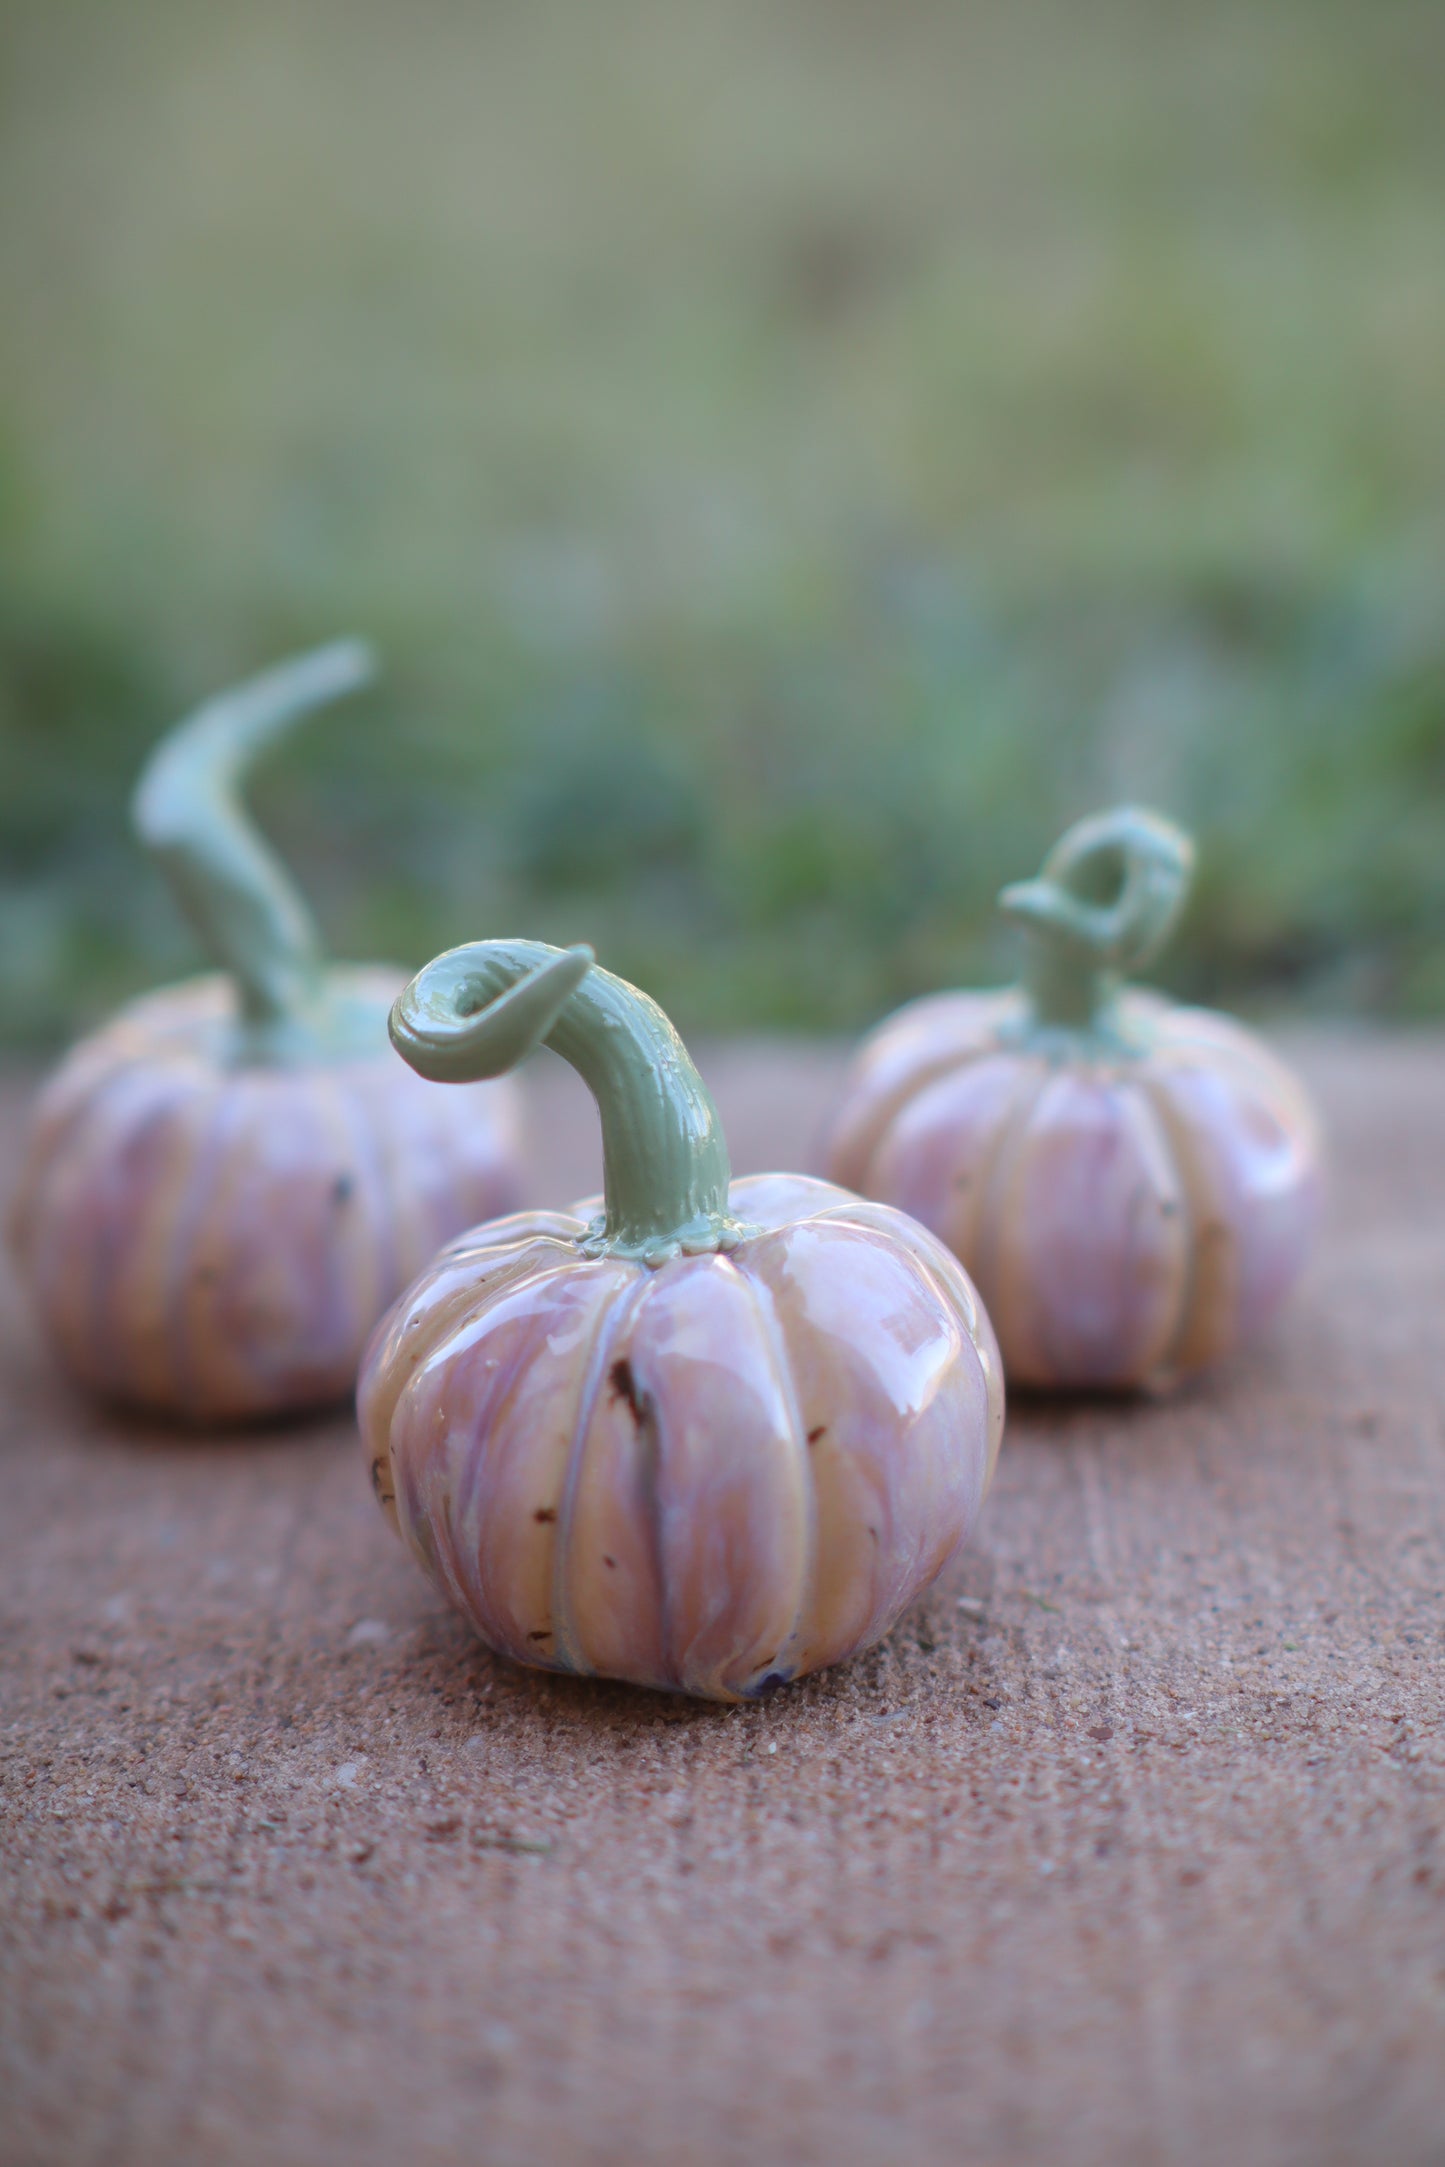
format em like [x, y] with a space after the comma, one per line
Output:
[707, 1439]
[226, 1185]
[1133, 1184]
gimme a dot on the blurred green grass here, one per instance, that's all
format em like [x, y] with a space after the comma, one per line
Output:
[792, 456]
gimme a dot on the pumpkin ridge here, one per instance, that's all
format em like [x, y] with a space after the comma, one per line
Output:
[226, 1315]
[929, 1071]
[941, 1270]
[199, 1261]
[997, 1180]
[65, 1102]
[775, 1340]
[62, 1199]
[1154, 1087]
[406, 1446]
[124, 1243]
[380, 1391]
[373, 1194]
[169, 1243]
[521, 1271]
[616, 1318]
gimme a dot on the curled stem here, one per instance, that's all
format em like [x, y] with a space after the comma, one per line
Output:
[189, 813]
[478, 1010]
[1106, 897]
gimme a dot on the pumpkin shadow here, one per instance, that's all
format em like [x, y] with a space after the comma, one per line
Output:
[94, 1425]
[1062, 1420]
[564, 1702]
[569, 1709]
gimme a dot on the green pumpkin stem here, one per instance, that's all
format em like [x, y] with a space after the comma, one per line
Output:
[189, 814]
[478, 1010]
[1106, 897]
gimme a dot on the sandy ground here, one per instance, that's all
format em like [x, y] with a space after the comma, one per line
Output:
[1125, 1848]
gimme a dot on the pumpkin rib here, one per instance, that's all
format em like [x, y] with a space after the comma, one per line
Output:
[410, 1446]
[955, 1288]
[1131, 1085]
[770, 1325]
[919, 1161]
[229, 1276]
[997, 1180]
[411, 1331]
[329, 1103]
[65, 1103]
[411, 1213]
[133, 1161]
[452, 1342]
[375, 1199]
[1137, 1249]
[531, 1428]
[1249, 1090]
[743, 1477]
[611, 1528]
[74, 1296]
[854, 1158]
[202, 1260]
[153, 1354]
[615, 1320]
[1198, 1257]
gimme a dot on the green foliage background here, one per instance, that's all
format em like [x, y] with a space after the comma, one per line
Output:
[793, 455]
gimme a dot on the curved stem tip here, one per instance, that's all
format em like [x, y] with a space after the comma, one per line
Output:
[189, 813]
[1106, 897]
[477, 1011]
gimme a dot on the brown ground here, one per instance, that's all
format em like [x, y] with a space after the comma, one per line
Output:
[1126, 1848]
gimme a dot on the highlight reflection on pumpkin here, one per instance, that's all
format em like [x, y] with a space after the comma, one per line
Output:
[715, 1437]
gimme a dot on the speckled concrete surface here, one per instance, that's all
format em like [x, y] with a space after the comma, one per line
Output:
[1127, 1847]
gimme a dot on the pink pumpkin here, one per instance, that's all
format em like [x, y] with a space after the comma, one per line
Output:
[714, 1438]
[1132, 1184]
[227, 1184]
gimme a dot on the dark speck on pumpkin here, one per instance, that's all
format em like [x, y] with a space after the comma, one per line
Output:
[769, 1683]
[624, 1387]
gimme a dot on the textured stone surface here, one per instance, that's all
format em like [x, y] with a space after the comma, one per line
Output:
[1126, 1848]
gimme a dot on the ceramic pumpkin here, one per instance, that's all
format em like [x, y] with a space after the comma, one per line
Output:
[714, 1436]
[226, 1185]
[1132, 1184]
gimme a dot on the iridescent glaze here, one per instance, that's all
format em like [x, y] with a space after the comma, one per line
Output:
[709, 1464]
[216, 1242]
[226, 1186]
[1132, 1184]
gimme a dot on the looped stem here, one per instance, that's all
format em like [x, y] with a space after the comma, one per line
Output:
[188, 812]
[478, 1010]
[1106, 897]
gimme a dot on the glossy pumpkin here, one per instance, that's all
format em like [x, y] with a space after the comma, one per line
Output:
[1132, 1184]
[226, 1185]
[717, 1437]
